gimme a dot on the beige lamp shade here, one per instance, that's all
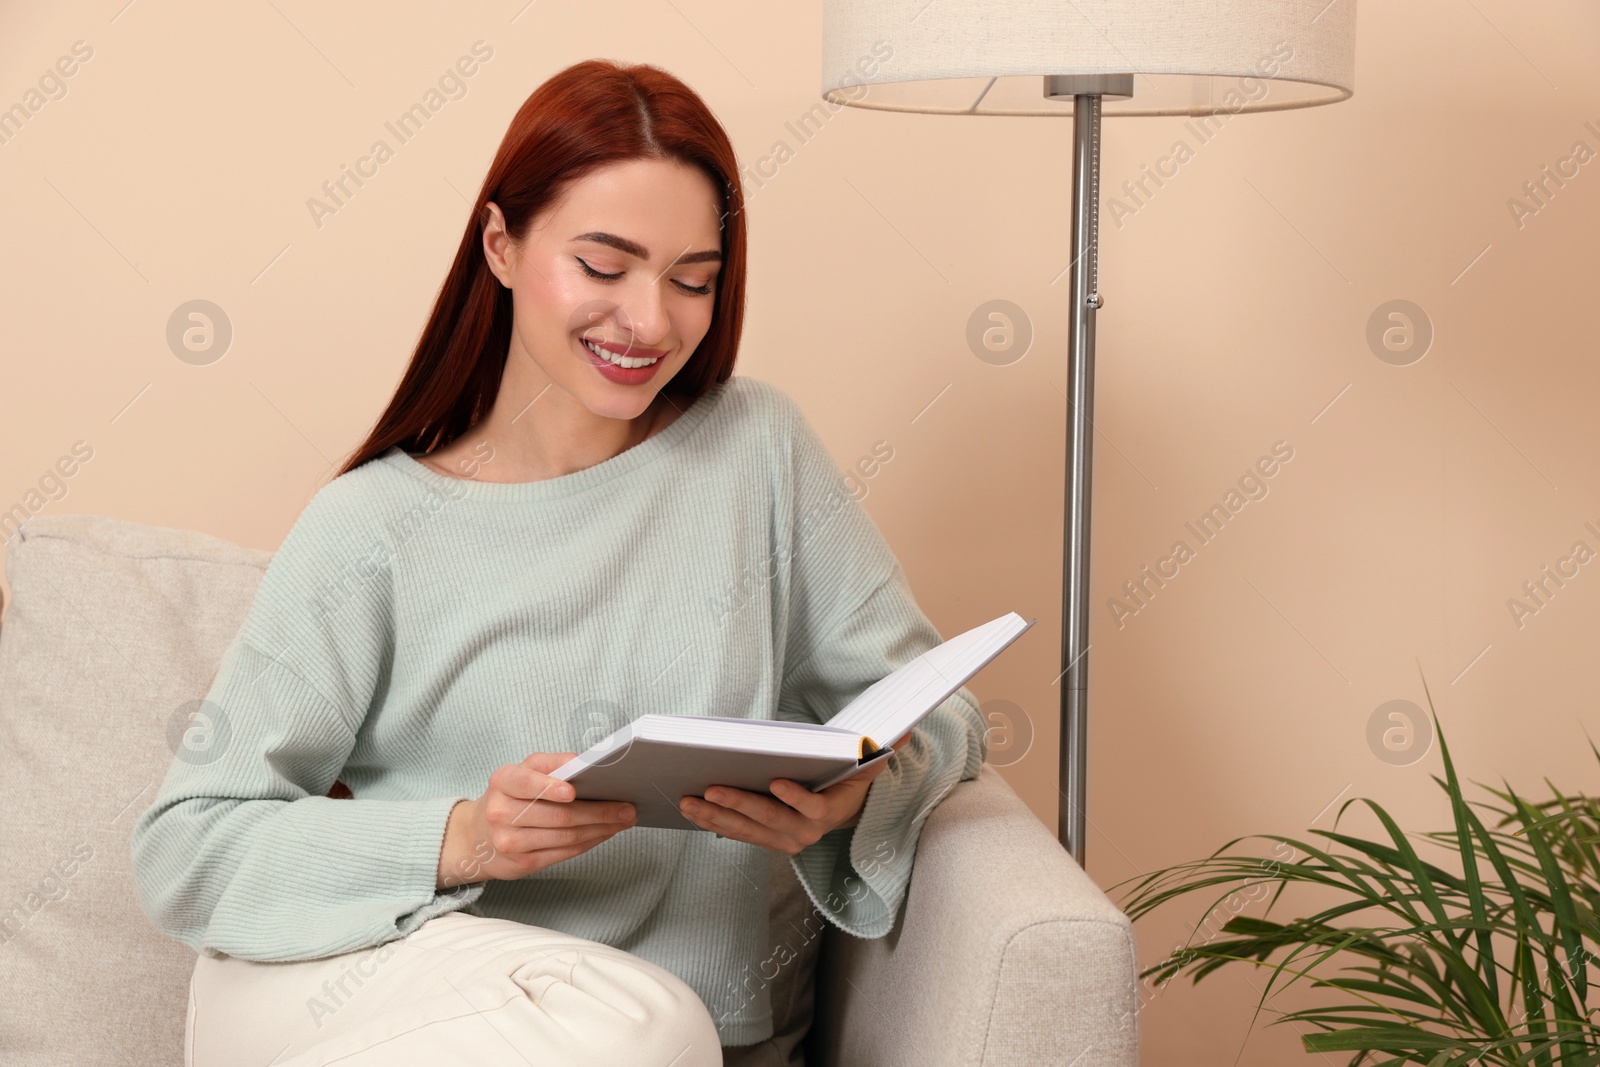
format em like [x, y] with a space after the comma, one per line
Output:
[990, 57]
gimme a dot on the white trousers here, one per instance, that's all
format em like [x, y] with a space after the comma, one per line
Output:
[460, 989]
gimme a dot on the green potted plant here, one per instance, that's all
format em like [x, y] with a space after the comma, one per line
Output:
[1487, 962]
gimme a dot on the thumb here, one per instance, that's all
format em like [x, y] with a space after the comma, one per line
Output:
[872, 772]
[545, 762]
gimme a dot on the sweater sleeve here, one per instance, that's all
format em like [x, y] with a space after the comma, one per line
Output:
[852, 620]
[241, 852]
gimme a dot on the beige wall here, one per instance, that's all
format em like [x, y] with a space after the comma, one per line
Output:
[178, 167]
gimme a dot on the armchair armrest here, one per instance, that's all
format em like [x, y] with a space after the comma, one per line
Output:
[1005, 953]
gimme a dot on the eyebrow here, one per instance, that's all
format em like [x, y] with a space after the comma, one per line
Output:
[634, 248]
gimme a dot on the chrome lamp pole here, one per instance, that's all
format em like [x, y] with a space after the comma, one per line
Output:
[1085, 92]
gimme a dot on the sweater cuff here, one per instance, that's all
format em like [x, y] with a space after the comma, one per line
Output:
[428, 844]
[375, 879]
[844, 872]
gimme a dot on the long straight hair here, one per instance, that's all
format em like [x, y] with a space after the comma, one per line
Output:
[587, 116]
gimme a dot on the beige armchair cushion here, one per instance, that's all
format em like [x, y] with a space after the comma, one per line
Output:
[112, 627]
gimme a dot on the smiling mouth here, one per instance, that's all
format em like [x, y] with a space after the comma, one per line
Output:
[617, 358]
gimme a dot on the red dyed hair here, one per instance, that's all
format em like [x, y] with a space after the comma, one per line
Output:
[587, 116]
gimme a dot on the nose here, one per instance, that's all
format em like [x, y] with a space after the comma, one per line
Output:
[642, 314]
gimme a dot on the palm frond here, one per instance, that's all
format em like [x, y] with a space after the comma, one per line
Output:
[1480, 959]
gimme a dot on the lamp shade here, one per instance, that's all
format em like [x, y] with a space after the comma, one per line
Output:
[992, 57]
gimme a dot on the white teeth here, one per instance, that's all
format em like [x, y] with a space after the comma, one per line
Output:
[622, 361]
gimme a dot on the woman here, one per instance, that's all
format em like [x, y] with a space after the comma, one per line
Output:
[570, 514]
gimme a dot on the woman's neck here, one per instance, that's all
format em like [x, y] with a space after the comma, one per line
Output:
[546, 437]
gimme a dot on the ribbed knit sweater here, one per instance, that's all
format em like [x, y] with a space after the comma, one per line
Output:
[416, 631]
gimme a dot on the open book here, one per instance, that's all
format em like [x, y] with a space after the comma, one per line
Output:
[656, 760]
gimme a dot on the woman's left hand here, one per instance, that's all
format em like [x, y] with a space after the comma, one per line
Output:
[797, 818]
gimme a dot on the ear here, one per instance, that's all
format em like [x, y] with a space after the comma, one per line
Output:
[497, 243]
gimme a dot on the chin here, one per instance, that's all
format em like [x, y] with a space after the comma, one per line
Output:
[620, 402]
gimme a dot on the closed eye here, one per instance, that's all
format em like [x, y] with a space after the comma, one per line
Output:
[697, 290]
[591, 272]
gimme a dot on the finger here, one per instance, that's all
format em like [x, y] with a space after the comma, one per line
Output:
[524, 782]
[532, 777]
[731, 824]
[576, 813]
[547, 761]
[553, 856]
[812, 805]
[759, 807]
[873, 771]
[549, 857]
[875, 768]
[853, 786]
[522, 841]
[842, 798]
[775, 814]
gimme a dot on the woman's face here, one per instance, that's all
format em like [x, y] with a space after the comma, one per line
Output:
[626, 261]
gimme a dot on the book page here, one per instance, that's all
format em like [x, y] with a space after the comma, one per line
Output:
[893, 705]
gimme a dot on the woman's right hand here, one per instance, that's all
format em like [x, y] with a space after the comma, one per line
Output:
[525, 821]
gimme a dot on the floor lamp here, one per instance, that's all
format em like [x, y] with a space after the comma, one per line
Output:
[1084, 59]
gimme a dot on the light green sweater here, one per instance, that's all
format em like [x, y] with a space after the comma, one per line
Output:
[415, 631]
